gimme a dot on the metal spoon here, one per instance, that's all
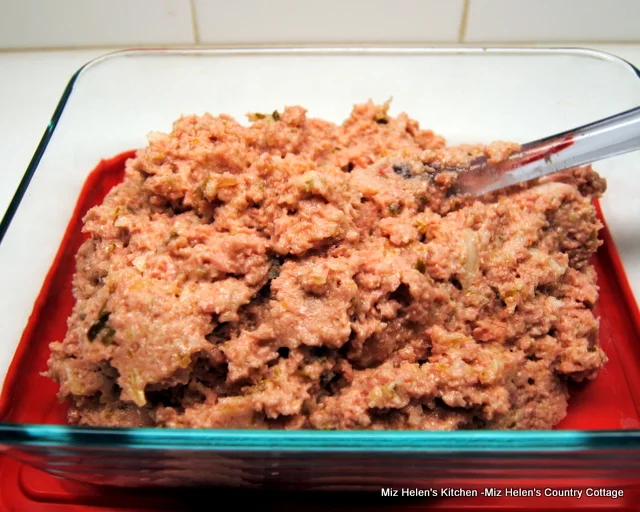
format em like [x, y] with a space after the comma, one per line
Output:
[603, 139]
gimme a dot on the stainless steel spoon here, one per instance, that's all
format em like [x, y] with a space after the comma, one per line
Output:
[603, 139]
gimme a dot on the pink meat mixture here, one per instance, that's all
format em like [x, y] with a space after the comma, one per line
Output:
[299, 274]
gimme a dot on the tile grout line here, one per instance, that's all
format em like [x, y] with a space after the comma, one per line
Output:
[462, 33]
[392, 44]
[194, 22]
[47, 49]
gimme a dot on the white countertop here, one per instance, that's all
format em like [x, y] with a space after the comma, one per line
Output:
[33, 82]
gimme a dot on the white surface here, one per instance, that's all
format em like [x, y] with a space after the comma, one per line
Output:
[553, 20]
[319, 21]
[44, 23]
[32, 84]
[70, 23]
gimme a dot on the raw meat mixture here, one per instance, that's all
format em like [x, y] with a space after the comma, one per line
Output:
[299, 274]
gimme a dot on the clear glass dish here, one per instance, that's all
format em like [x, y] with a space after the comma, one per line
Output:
[467, 95]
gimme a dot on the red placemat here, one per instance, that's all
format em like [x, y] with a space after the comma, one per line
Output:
[611, 402]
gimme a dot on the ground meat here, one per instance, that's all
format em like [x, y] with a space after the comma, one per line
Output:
[296, 274]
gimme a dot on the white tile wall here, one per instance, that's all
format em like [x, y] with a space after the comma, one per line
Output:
[130, 23]
[553, 20]
[313, 21]
[45, 23]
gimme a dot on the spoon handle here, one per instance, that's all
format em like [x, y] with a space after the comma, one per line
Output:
[602, 139]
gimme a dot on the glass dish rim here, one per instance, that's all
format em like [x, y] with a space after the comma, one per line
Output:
[461, 441]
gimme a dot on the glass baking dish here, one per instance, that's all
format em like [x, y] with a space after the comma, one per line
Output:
[465, 94]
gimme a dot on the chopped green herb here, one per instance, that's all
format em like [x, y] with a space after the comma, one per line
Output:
[380, 117]
[97, 326]
[110, 332]
[403, 170]
[326, 377]
[421, 266]
[274, 270]
[257, 116]
[394, 208]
